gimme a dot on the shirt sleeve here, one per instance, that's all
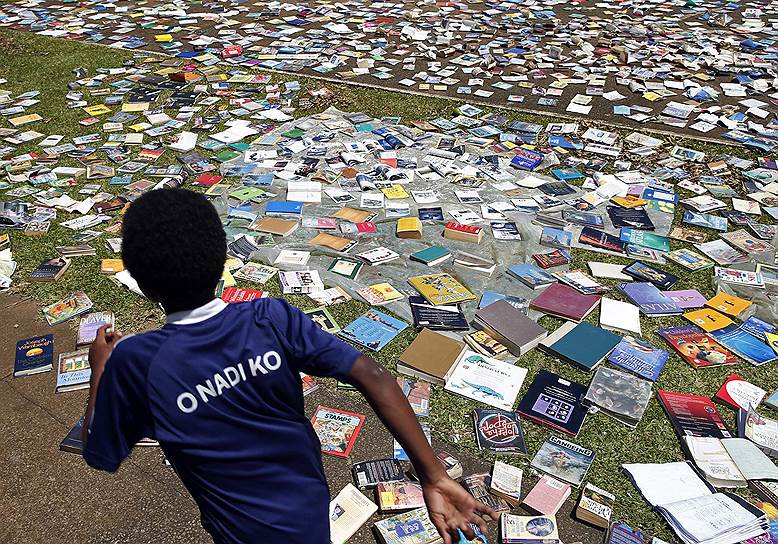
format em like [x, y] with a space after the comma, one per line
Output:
[121, 415]
[309, 348]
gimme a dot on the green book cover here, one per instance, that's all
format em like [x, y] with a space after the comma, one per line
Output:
[431, 254]
[645, 239]
[586, 345]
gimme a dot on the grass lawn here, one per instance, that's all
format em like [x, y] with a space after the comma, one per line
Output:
[36, 63]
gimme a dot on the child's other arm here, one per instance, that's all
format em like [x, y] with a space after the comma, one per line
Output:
[450, 506]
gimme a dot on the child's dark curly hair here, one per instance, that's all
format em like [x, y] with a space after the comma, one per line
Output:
[174, 246]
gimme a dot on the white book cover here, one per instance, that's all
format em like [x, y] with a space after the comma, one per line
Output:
[621, 316]
[608, 270]
[290, 256]
[506, 480]
[486, 380]
[349, 510]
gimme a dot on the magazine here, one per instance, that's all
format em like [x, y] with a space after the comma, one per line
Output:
[373, 330]
[563, 460]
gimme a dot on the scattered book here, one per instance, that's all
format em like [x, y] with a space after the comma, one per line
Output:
[728, 304]
[554, 402]
[298, 282]
[73, 371]
[50, 270]
[348, 511]
[399, 496]
[506, 482]
[499, 431]
[729, 462]
[484, 344]
[745, 345]
[413, 527]
[696, 347]
[371, 473]
[323, 318]
[619, 394]
[639, 357]
[595, 506]
[409, 227]
[547, 495]
[430, 356]
[531, 276]
[582, 282]
[379, 294]
[509, 326]
[739, 394]
[693, 415]
[337, 430]
[516, 529]
[71, 306]
[618, 316]
[346, 268]
[479, 486]
[643, 272]
[576, 460]
[651, 301]
[581, 344]
[446, 317]
[34, 355]
[431, 256]
[486, 380]
[418, 395]
[563, 301]
[440, 289]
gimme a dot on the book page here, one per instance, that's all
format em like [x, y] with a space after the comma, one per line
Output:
[707, 517]
[712, 459]
[665, 483]
[751, 461]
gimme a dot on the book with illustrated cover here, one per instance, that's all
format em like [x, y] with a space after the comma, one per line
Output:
[418, 395]
[729, 304]
[517, 529]
[486, 380]
[696, 347]
[71, 306]
[581, 281]
[499, 431]
[745, 345]
[689, 260]
[639, 357]
[234, 295]
[563, 460]
[530, 275]
[553, 237]
[412, 527]
[256, 272]
[651, 301]
[554, 402]
[379, 294]
[299, 282]
[373, 330]
[399, 496]
[309, 384]
[595, 506]
[644, 272]
[479, 486]
[323, 318]
[485, 344]
[619, 394]
[73, 371]
[441, 289]
[646, 239]
[337, 430]
[708, 319]
[687, 298]
[558, 257]
[602, 240]
[34, 355]
[399, 452]
[89, 324]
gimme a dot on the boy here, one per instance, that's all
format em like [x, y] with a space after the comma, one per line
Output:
[218, 386]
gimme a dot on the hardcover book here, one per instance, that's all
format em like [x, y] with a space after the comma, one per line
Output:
[644, 272]
[696, 347]
[577, 460]
[34, 355]
[503, 322]
[337, 430]
[554, 402]
[651, 301]
[563, 301]
[581, 344]
[431, 256]
[499, 431]
[602, 240]
[430, 356]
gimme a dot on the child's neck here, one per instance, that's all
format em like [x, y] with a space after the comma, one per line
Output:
[192, 304]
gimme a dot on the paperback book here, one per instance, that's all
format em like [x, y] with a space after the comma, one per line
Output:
[499, 431]
[696, 347]
[374, 330]
[445, 317]
[89, 325]
[639, 357]
[563, 460]
[73, 371]
[486, 380]
[34, 355]
[441, 289]
[554, 402]
[619, 394]
[337, 430]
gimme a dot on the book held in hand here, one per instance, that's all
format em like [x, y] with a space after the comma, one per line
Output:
[89, 325]
[34, 355]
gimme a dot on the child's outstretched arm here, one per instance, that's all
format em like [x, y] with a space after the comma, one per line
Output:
[450, 506]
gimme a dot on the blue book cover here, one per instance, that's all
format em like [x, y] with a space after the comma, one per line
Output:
[649, 298]
[639, 357]
[585, 345]
[34, 355]
[552, 237]
[772, 401]
[284, 207]
[526, 159]
[757, 327]
[737, 339]
[430, 254]
[531, 275]
[373, 330]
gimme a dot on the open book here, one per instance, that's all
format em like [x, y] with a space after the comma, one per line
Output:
[730, 462]
[691, 506]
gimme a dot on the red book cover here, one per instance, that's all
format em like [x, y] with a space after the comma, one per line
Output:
[240, 294]
[337, 430]
[564, 301]
[459, 227]
[692, 415]
[366, 227]
[737, 393]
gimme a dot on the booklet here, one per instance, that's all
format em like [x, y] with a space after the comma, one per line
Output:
[486, 380]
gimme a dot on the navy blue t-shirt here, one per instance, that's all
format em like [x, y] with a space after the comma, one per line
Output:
[220, 390]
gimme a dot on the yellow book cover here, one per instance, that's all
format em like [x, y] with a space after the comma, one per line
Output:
[728, 304]
[772, 340]
[134, 107]
[441, 289]
[229, 280]
[162, 38]
[379, 294]
[98, 109]
[628, 201]
[111, 266]
[409, 227]
[708, 319]
[395, 192]
[352, 215]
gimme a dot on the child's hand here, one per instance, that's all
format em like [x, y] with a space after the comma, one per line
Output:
[451, 507]
[102, 347]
